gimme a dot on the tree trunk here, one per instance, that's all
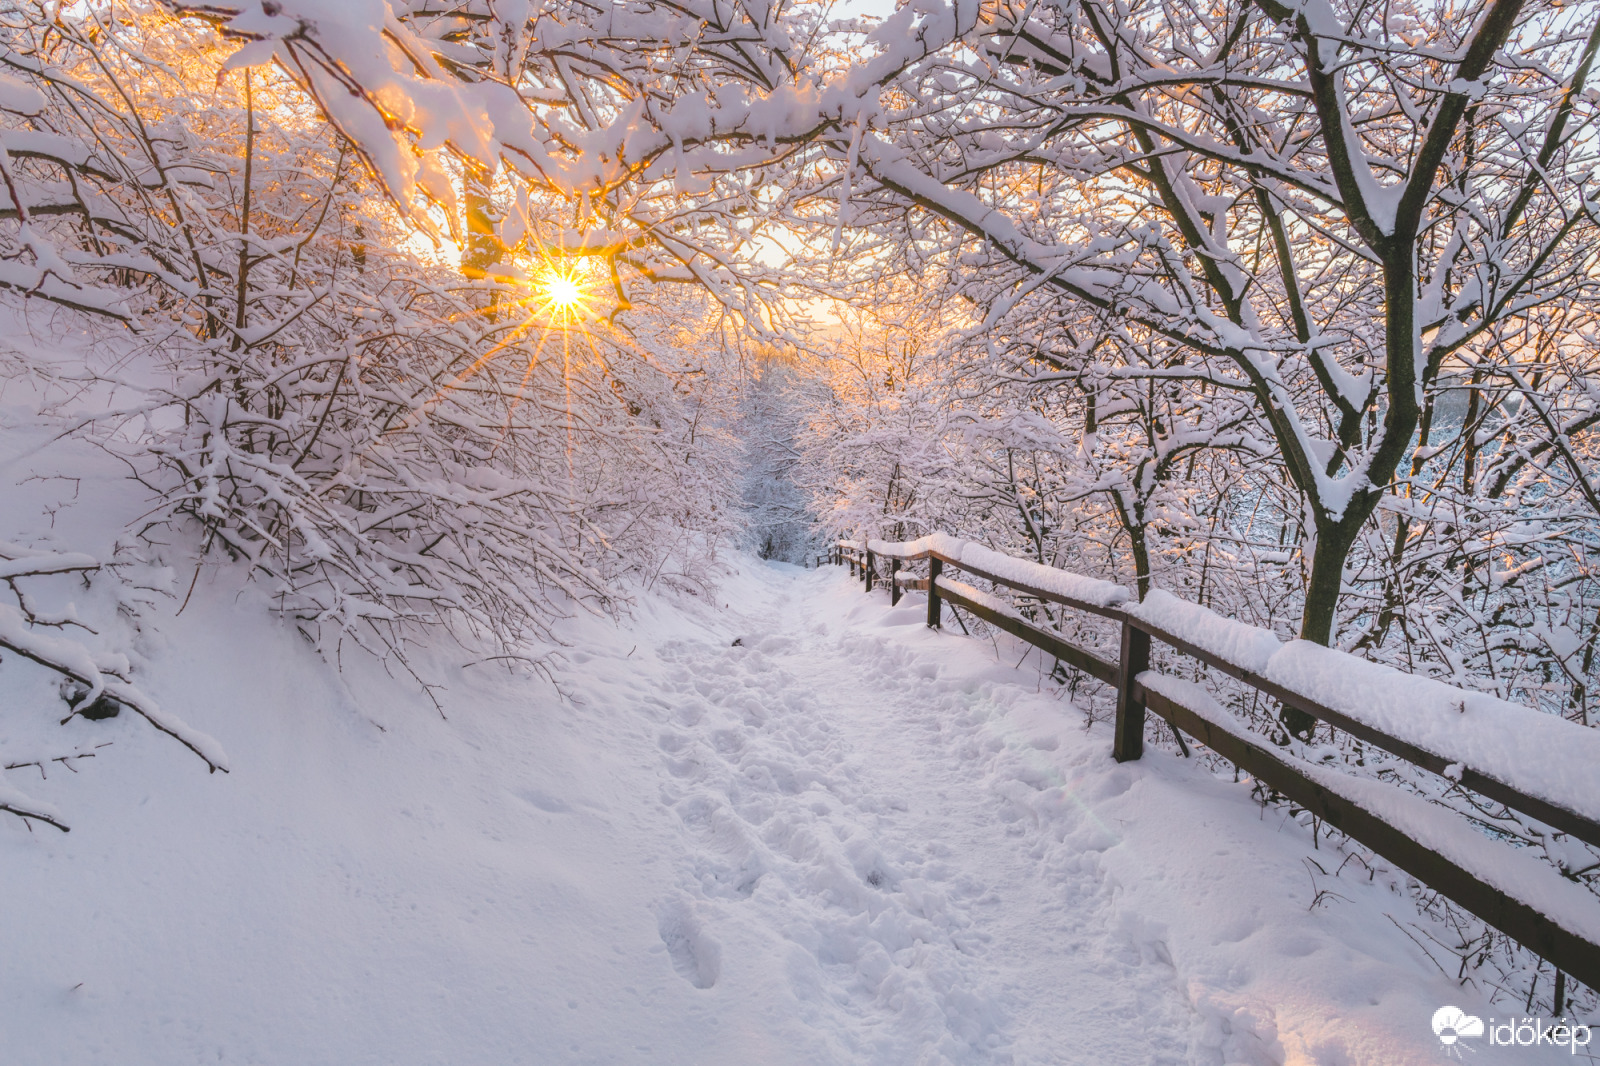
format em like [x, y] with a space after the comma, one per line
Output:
[1141, 559]
[1334, 541]
[482, 251]
[1322, 590]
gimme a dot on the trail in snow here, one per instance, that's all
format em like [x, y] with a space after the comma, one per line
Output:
[846, 840]
[835, 790]
[959, 873]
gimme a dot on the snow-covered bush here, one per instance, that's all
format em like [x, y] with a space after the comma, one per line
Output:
[304, 384]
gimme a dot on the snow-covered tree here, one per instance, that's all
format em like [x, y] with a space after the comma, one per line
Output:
[305, 386]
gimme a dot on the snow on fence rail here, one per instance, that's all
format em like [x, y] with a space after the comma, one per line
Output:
[1536, 763]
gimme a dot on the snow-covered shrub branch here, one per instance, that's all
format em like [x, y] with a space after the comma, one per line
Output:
[304, 387]
[90, 679]
[656, 126]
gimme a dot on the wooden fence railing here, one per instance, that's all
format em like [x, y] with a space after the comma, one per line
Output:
[1514, 891]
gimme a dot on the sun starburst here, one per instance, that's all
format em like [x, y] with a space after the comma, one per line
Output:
[562, 291]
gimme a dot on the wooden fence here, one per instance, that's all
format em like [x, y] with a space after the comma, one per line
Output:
[1562, 928]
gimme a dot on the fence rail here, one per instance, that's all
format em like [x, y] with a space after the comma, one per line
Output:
[1515, 892]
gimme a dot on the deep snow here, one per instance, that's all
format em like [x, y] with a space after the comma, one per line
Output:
[844, 839]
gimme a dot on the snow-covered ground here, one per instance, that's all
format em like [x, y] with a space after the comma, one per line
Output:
[793, 826]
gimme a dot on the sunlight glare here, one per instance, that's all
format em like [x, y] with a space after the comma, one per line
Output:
[562, 291]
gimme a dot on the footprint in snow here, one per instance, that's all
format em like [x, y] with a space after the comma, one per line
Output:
[695, 955]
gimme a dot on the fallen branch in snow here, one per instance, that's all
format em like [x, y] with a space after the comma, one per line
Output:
[28, 809]
[95, 677]
[30, 812]
[73, 659]
[64, 760]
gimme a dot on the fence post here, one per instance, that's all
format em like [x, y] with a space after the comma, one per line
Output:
[1128, 744]
[934, 566]
[894, 582]
[866, 571]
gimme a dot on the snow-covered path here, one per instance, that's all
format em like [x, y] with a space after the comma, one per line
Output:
[836, 794]
[791, 828]
[925, 855]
